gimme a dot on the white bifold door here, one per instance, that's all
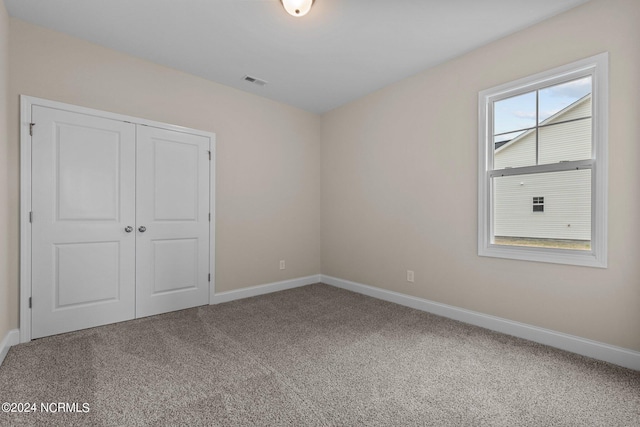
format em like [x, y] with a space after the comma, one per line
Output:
[172, 207]
[120, 221]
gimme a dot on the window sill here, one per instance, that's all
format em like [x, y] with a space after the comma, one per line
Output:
[555, 256]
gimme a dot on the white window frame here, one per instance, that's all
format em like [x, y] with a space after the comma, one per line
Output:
[596, 67]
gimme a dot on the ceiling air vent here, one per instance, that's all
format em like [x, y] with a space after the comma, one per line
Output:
[254, 80]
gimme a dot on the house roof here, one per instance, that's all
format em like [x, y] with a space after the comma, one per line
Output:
[503, 145]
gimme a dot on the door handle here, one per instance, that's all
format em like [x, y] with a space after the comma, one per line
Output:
[142, 229]
[128, 229]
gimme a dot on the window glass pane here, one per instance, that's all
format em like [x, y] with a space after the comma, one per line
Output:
[564, 142]
[515, 113]
[516, 152]
[565, 101]
[565, 221]
[503, 138]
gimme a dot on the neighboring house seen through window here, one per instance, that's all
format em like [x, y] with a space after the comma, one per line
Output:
[545, 134]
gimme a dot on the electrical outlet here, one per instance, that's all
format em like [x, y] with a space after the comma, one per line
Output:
[410, 276]
[281, 264]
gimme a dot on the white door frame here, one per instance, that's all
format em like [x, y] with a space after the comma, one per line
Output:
[26, 102]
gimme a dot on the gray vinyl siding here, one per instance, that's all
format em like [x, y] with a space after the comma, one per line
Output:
[567, 205]
[518, 153]
[565, 142]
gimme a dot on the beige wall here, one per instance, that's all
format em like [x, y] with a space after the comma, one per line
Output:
[399, 184]
[7, 304]
[268, 154]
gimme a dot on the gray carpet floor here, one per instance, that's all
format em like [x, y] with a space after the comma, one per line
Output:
[311, 356]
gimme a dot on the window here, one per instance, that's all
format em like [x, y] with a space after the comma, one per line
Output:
[545, 134]
[538, 204]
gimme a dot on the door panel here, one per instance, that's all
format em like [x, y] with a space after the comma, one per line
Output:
[175, 178]
[87, 152]
[83, 197]
[172, 204]
[86, 273]
[175, 265]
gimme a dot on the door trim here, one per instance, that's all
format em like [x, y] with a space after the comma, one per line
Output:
[26, 103]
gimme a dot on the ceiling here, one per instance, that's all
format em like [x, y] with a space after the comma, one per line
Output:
[340, 51]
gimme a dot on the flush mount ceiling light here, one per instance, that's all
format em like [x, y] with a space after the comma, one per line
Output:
[297, 7]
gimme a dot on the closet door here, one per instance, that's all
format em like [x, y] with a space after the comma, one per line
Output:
[172, 226]
[83, 201]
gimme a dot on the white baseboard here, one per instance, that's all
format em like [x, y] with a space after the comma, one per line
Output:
[264, 289]
[594, 349]
[12, 338]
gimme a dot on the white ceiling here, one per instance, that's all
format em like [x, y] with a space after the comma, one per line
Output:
[340, 51]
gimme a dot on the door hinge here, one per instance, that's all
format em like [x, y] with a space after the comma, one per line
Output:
[29, 302]
[31, 125]
[209, 155]
[209, 277]
[31, 216]
[209, 216]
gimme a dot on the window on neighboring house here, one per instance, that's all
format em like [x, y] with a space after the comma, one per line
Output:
[545, 134]
[538, 204]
